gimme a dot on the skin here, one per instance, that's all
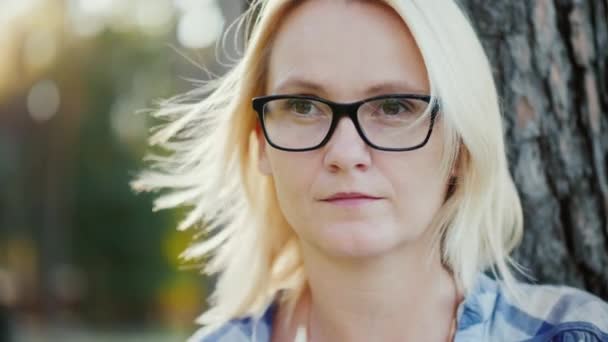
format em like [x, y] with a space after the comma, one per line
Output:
[371, 273]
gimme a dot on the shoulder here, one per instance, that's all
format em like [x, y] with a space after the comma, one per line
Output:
[233, 330]
[248, 328]
[566, 313]
[564, 304]
[543, 313]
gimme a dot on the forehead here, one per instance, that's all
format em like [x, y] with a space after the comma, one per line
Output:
[344, 50]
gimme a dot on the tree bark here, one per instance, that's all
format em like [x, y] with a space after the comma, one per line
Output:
[550, 61]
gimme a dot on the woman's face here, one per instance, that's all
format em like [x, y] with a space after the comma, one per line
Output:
[347, 51]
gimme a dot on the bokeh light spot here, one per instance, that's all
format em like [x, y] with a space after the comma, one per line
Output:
[154, 17]
[43, 100]
[199, 27]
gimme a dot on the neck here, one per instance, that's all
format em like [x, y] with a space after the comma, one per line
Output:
[403, 295]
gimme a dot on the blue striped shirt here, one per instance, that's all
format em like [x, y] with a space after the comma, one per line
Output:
[549, 313]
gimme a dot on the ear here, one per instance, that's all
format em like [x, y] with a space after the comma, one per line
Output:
[455, 169]
[263, 162]
[462, 159]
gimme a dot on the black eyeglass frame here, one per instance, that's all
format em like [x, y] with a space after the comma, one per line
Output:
[340, 110]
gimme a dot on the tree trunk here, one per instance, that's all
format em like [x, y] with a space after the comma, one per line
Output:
[550, 61]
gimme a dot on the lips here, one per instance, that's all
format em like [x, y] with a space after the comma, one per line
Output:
[350, 199]
[349, 196]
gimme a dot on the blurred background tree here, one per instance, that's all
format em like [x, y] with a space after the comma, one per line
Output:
[550, 61]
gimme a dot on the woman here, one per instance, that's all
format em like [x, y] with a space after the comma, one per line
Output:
[351, 172]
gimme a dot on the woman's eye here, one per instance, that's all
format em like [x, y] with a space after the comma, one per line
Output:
[392, 107]
[301, 107]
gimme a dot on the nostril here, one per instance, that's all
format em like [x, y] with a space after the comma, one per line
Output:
[362, 166]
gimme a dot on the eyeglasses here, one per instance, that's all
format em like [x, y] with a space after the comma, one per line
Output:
[395, 122]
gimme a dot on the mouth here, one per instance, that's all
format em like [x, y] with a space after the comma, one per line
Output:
[349, 199]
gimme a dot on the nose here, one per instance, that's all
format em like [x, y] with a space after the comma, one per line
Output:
[346, 150]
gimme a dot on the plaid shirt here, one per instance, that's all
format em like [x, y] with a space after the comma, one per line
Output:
[550, 313]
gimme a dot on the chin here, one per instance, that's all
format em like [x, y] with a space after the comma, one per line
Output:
[358, 240]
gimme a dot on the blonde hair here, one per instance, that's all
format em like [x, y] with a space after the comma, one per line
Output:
[212, 166]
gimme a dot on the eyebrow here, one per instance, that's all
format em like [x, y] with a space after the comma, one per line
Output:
[392, 86]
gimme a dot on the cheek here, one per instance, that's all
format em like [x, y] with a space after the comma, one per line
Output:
[293, 175]
[292, 170]
[417, 184]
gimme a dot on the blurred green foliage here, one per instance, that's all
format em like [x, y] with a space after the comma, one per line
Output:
[118, 240]
[77, 166]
